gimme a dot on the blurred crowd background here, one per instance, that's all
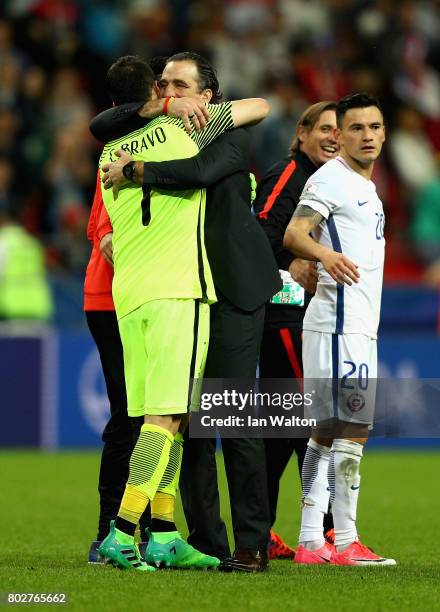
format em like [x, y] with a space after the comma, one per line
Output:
[53, 59]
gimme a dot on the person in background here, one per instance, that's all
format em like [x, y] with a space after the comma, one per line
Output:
[278, 194]
[24, 289]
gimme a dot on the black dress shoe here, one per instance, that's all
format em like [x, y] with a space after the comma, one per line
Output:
[245, 560]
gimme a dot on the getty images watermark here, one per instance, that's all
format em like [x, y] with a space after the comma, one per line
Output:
[243, 401]
[251, 408]
[289, 408]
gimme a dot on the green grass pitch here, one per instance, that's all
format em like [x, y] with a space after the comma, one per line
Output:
[49, 507]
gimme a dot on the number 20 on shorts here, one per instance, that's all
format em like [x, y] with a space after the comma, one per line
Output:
[362, 374]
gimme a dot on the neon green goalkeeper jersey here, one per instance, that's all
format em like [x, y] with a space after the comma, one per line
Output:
[158, 237]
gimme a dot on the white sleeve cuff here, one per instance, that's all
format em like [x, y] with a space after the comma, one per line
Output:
[321, 208]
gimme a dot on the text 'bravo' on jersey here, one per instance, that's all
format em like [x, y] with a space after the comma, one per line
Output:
[158, 242]
[353, 225]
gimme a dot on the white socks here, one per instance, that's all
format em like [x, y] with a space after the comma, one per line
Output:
[344, 481]
[315, 495]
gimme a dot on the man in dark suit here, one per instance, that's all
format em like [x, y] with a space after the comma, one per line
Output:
[246, 276]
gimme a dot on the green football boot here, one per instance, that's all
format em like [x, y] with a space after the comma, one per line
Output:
[124, 556]
[170, 550]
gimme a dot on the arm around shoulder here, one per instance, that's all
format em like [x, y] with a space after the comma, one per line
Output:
[249, 111]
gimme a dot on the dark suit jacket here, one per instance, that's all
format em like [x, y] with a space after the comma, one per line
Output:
[241, 259]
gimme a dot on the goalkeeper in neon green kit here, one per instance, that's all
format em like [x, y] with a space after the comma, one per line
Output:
[162, 289]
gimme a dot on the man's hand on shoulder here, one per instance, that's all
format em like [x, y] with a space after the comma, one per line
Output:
[113, 177]
[192, 111]
[304, 273]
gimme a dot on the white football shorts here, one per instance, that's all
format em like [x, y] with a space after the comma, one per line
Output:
[340, 371]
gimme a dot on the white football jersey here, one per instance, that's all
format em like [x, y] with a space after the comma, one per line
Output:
[354, 225]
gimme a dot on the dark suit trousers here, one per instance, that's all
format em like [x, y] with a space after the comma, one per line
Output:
[234, 345]
[121, 432]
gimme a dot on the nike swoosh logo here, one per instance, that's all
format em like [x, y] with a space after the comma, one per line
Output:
[353, 488]
[362, 203]
[324, 558]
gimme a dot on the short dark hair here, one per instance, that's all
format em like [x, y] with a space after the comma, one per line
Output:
[309, 119]
[157, 64]
[356, 100]
[207, 76]
[129, 79]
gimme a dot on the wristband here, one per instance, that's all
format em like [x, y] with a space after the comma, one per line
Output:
[168, 100]
[129, 171]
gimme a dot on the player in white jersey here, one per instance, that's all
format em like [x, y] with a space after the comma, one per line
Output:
[339, 207]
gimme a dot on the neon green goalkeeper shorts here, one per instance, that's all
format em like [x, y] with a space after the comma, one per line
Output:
[165, 344]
